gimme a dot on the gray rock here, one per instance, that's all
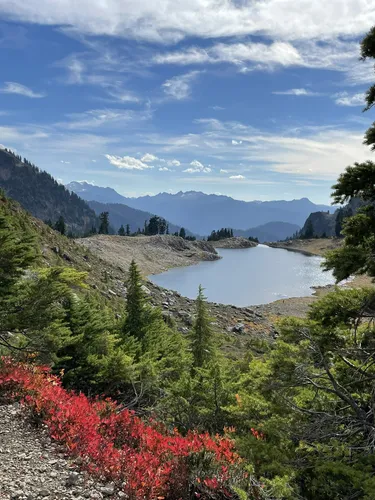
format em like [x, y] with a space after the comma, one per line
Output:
[107, 491]
[146, 290]
[239, 328]
[17, 494]
[72, 479]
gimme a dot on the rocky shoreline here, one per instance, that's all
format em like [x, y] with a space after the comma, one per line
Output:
[314, 246]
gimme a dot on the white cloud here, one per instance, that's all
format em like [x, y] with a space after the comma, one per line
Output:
[173, 163]
[65, 162]
[164, 169]
[119, 94]
[179, 87]
[345, 99]
[236, 143]
[17, 88]
[21, 135]
[197, 167]
[223, 171]
[170, 21]
[95, 118]
[197, 164]
[297, 92]
[75, 68]
[307, 152]
[148, 158]
[330, 53]
[277, 53]
[217, 108]
[237, 177]
[127, 162]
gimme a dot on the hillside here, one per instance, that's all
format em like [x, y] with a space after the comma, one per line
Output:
[202, 212]
[120, 214]
[272, 231]
[327, 224]
[41, 195]
[107, 271]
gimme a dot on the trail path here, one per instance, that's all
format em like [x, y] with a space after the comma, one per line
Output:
[32, 467]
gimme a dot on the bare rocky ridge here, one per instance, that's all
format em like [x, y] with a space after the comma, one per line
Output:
[236, 242]
[33, 467]
[153, 254]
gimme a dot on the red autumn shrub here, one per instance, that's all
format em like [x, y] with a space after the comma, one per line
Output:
[117, 445]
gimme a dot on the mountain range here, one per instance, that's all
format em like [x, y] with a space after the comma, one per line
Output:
[272, 231]
[202, 213]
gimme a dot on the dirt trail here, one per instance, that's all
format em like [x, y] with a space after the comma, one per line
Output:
[32, 466]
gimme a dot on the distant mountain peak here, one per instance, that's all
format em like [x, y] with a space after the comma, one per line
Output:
[202, 213]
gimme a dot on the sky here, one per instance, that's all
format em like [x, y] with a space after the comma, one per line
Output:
[255, 99]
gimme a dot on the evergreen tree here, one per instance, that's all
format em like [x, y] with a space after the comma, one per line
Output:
[134, 324]
[201, 335]
[93, 351]
[60, 225]
[358, 181]
[182, 233]
[104, 223]
[17, 253]
[309, 231]
[220, 234]
[121, 231]
[167, 229]
[338, 222]
[156, 225]
[127, 230]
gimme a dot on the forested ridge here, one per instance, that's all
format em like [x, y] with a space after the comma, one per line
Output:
[41, 195]
[293, 417]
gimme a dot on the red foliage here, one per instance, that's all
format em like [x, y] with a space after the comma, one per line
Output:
[117, 445]
[257, 434]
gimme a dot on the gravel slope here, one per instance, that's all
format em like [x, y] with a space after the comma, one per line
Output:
[32, 467]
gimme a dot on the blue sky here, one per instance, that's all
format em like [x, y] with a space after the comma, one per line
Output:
[253, 99]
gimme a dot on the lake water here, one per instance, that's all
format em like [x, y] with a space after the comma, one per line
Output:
[249, 276]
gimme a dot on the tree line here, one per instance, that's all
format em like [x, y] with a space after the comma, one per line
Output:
[155, 225]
